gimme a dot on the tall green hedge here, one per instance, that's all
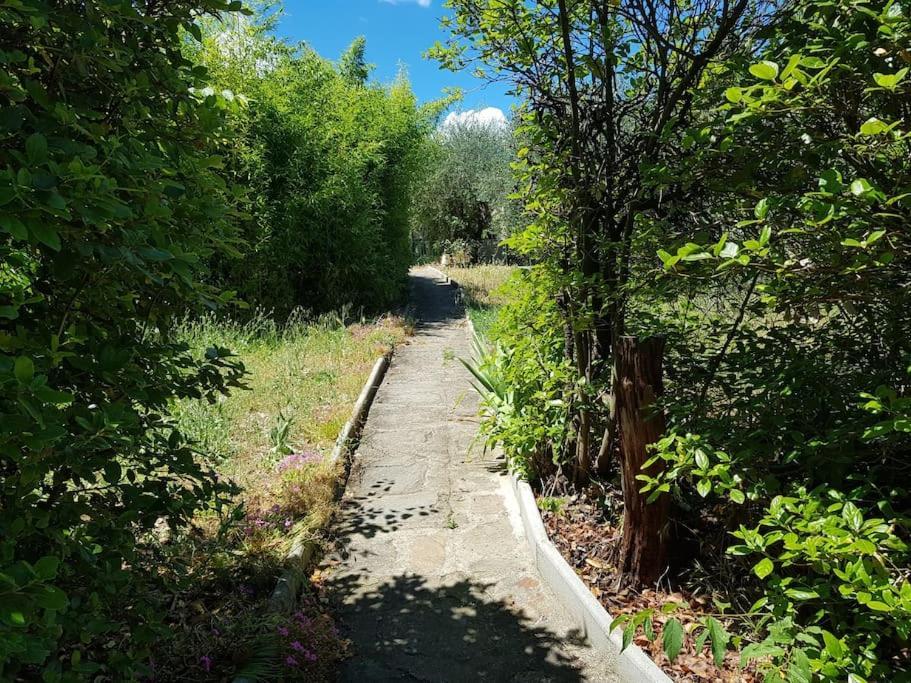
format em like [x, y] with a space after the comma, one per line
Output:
[328, 160]
[110, 209]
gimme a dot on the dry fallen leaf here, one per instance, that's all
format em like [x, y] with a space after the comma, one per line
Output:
[596, 563]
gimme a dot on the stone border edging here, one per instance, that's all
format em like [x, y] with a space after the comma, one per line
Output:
[353, 426]
[284, 595]
[440, 273]
[632, 663]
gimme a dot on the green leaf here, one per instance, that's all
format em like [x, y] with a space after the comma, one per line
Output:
[14, 227]
[860, 187]
[799, 667]
[46, 567]
[852, 515]
[48, 395]
[112, 471]
[628, 633]
[764, 567]
[889, 81]
[737, 496]
[873, 126]
[719, 638]
[672, 638]
[733, 95]
[879, 606]
[51, 597]
[36, 148]
[812, 62]
[765, 70]
[730, 250]
[704, 487]
[833, 645]
[874, 236]
[15, 617]
[801, 594]
[46, 234]
[24, 370]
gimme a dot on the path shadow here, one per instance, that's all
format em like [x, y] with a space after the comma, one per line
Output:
[406, 629]
[434, 300]
[365, 516]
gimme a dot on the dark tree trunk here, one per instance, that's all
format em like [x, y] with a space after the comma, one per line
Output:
[643, 549]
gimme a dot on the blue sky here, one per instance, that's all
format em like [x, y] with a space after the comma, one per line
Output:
[397, 31]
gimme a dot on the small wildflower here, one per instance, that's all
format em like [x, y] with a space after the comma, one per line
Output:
[296, 461]
[310, 656]
[296, 645]
[283, 631]
[206, 662]
[290, 661]
[288, 523]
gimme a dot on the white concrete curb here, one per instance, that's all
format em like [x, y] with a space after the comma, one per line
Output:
[442, 275]
[353, 426]
[632, 664]
[284, 596]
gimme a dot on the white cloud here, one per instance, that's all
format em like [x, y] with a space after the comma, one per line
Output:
[491, 116]
[421, 3]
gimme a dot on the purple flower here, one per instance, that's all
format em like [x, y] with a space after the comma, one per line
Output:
[295, 461]
[206, 662]
[310, 656]
[283, 631]
[290, 661]
[296, 645]
[288, 523]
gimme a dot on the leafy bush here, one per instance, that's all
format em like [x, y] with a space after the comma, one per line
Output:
[328, 160]
[463, 194]
[522, 378]
[110, 208]
[794, 429]
[765, 234]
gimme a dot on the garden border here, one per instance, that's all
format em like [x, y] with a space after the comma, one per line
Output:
[632, 663]
[284, 595]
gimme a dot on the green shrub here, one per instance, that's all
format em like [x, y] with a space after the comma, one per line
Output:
[328, 160]
[110, 208]
[522, 378]
[463, 194]
[800, 435]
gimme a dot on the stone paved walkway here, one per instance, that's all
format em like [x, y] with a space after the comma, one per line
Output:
[432, 580]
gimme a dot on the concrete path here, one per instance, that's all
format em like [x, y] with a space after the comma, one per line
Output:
[431, 578]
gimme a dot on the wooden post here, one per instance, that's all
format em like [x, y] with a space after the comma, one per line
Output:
[643, 548]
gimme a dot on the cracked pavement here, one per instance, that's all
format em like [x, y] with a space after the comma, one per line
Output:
[431, 578]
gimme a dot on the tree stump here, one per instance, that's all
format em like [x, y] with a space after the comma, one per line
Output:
[643, 548]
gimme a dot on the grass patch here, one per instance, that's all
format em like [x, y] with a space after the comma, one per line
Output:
[482, 288]
[272, 440]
